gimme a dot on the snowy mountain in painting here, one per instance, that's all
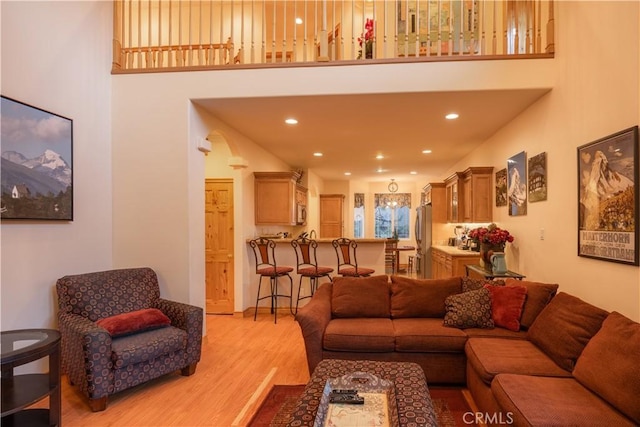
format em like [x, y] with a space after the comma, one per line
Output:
[48, 163]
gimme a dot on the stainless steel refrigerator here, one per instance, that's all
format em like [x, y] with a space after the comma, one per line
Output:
[422, 234]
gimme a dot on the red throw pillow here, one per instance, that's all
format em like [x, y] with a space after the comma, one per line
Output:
[506, 305]
[134, 321]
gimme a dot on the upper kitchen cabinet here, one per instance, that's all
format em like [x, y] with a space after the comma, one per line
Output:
[435, 194]
[477, 190]
[454, 199]
[279, 200]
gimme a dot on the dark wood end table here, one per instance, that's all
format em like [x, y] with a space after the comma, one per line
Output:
[20, 347]
[477, 270]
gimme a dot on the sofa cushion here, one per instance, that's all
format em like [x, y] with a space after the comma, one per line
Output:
[495, 333]
[427, 335]
[469, 310]
[609, 364]
[538, 296]
[547, 401]
[506, 305]
[564, 327]
[471, 284]
[421, 297]
[361, 297]
[131, 349]
[359, 335]
[492, 356]
[134, 321]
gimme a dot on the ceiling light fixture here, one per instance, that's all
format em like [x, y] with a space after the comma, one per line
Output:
[413, 173]
[426, 151]
[291, 121]
[298, 21]
[347, 173]
[452, 116]
[318, 154]
[379, 157]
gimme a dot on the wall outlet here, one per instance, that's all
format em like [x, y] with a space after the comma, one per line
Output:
[542, 234]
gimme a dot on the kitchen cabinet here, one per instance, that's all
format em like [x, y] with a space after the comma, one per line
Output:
[450, 262]
[278, 197]
[435, 195]
[331, 215]
[454, 196]
[477, 183]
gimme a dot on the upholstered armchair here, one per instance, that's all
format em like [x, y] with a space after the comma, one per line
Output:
[117, 332]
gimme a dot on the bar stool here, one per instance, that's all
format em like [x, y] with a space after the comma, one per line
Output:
[307, 266]
[264, 252]
[347, 262]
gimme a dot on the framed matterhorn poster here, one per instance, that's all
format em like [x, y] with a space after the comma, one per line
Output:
[37, 168]
[608, 198]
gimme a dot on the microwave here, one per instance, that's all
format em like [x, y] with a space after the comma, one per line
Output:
[301, 214]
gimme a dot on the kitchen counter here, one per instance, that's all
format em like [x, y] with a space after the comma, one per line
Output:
[454, 251]
[324, 240]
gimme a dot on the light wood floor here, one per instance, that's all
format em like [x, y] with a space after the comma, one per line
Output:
[241, 360]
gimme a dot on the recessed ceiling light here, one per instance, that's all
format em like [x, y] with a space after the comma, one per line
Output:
[413, 173]
[451, 116]
[298, 21]
[318, 154]
[291, 121]
[347, 173]
[426, 151]
[379, 157]
[380, 170]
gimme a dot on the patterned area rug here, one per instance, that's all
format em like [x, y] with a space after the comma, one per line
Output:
[449, 404]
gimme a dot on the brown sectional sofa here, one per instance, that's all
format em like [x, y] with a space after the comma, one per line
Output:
[566, 363]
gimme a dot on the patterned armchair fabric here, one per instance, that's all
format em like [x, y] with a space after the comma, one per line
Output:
[101, 365]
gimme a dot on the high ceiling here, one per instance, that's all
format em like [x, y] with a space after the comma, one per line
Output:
[351, 130]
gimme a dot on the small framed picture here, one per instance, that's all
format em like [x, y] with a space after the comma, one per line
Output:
[517, 184]
[538, 178]
[608, 198]
[501, 188]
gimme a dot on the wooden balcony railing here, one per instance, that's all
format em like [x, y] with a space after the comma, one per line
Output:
[168, 35]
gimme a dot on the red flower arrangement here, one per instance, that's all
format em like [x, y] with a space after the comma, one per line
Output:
[492, 235]
[367, 39]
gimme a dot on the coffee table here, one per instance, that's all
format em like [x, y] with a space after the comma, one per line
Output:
[412, 395]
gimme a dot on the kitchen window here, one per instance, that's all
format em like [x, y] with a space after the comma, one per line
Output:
[392, 213]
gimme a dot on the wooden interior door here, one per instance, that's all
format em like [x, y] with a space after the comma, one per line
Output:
[219, 246]
[331, 215]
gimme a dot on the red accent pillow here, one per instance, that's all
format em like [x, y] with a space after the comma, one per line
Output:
[506, 305]
[134, 321]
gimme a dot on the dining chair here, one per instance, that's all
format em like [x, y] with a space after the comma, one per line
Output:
[347, 261]
[266, 267]
[390, 256]
[307, 266]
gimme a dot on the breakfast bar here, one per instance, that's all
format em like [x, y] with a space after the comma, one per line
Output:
[370, 254]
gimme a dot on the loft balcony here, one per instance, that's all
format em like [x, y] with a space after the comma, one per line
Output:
[175, 35]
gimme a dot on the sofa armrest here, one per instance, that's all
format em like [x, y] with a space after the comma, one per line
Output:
[86, 355]
[188, 318]
[313, 319]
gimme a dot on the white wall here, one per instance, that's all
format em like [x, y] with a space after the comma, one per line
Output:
[596, 94]
[57, 56]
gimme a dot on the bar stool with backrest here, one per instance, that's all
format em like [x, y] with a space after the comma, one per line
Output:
[307, 266]
[264, 252]
[347, 262]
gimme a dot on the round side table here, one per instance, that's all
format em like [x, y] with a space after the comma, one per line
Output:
[20, 347]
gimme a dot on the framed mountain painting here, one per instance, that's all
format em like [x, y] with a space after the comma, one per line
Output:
[608, 198]
[37, 168]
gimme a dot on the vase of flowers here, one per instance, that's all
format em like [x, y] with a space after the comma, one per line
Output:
[366, 39]
[490, 239]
